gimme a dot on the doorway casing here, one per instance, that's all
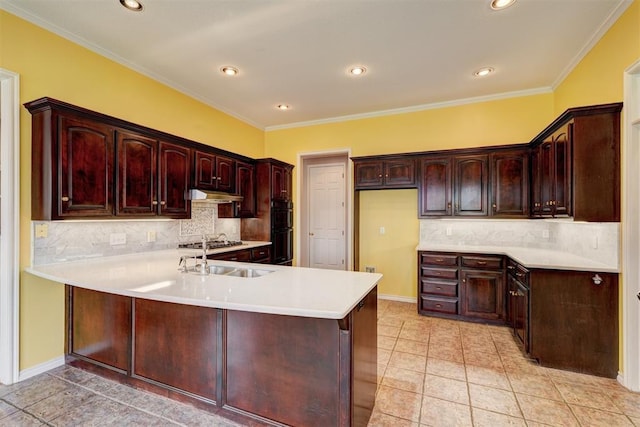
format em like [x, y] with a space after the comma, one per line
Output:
[301, 221]
[9, 224]
[630, 376]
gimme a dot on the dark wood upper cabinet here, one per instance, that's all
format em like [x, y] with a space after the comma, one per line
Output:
[435, 196]
[576, 165]
[392, 172]
[281, 182]
[72, 166]
[85, 176]
[510, 183]
[214, 172]
[175, 171]
[246, 187]
[471, 185]
[551, 174]
[89, 165]
[153, 177]
[137, 174]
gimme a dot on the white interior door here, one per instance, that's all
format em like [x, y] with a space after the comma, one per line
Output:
[327, 216]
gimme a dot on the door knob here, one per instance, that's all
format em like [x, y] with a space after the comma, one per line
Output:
[638, 295]
[311, 234]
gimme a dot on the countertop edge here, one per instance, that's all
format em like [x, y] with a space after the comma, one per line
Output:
[527, 257]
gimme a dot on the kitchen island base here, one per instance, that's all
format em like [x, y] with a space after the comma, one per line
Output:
[264, 368]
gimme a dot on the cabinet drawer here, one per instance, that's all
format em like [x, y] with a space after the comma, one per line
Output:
[435, 287]
[491, 262]
[443, 273]
[240, 256]
[440, 305]
[261, 254]
[438, 259]
[519, 272]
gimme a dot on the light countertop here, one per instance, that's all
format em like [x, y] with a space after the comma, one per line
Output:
[295, 291]
[529, 257]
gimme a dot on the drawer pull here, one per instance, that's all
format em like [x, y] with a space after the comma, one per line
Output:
[511, 267]
[439, 305]
[438, 288]
[439, 260]
[597, 279]
[481, 262]
[64, 199]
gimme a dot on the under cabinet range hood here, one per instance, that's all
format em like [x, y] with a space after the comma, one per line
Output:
[206, 196]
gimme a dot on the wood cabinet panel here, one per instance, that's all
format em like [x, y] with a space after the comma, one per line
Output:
[435, 304]
[246, 187]
[385, 172]
[100, 327]
[510, 183]
[137, 174]
[471, 185]
[491, 262]
[185, 337]
[435, 194]
[295, 369]
[175, 170]
[483, 293]
[85, 178]
[439, 287]
[574, 320]
[214, 172]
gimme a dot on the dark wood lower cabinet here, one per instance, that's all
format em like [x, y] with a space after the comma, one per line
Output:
[273, 369]
[164, 349]
[99, 327]
[574, 321]
[482, 294]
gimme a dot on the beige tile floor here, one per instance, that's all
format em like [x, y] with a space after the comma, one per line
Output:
[432, 372]
[437, 372]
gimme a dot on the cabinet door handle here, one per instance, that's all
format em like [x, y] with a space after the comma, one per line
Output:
[64, 198]
[154, 203]
[162, 203]
[597, 280]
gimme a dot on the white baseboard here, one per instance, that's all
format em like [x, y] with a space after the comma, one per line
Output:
[41, 368]
[397, 298]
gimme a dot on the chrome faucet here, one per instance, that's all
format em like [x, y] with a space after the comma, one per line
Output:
[202, 267]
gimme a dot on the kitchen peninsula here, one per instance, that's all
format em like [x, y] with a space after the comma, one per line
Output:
[291, 345]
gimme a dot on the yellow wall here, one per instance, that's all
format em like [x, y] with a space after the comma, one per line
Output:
[598, 78]
[393, 253]
[51, 66]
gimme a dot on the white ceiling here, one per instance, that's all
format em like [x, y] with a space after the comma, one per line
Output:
[418, 53]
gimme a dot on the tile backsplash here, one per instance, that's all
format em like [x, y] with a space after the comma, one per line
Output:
[69, 240]
[597, 241]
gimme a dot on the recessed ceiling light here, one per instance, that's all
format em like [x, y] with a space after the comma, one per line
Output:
[229, 71]
[483, 72]
[283, 107]
[134, 5]
[357, 71]
[501, 4]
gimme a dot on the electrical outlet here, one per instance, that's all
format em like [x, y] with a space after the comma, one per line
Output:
[594, 242]
[41, 231]
[369, 269]
[382, 231]
[117, 239]
[449, 231]
[151, 236]
[545, 234]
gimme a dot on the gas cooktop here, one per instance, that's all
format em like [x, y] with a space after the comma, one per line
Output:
[211, 244]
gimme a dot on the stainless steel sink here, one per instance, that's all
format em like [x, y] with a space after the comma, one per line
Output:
[221, 269]
[224, 270]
